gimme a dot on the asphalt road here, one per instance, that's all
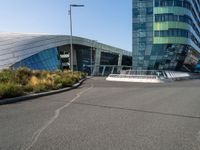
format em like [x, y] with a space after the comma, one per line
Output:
[102, 115]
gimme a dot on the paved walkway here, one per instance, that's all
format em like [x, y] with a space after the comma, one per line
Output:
[102, 115]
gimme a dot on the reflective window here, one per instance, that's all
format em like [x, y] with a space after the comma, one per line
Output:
[179, 3]
[109, 58]
[142, 32]
[44, 60]
[173, 57]
[177, 18]
[84, 54]
[177, 33]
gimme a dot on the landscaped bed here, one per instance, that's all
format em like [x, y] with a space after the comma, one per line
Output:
[24, 81]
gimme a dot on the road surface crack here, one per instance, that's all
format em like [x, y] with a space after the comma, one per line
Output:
[37, 134]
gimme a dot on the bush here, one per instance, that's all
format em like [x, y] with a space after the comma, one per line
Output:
[23, 75]
[28, 88]
[8, 90]
[48, 84]
[43, 74]
[75, 79]
[57, 82]
[33, 81]
[40, 88]
[79, 75]
[6, 76]
[66, 82]
[57, 86]
[83, 75]
[23, 80]
[57, 79]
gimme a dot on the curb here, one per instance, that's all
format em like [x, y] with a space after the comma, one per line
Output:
[32, 96]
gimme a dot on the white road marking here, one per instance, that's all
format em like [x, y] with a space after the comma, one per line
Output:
[37, 134]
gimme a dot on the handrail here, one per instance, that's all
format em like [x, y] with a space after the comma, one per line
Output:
[133, 76]
[151, 74]
[148, 76]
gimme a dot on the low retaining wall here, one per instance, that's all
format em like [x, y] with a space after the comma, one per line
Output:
[157, 77]
[134, 78]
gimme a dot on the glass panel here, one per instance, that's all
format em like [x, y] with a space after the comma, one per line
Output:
[44, 60]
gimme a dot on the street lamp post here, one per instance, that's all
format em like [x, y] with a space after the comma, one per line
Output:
[91, 58]
[71, 46]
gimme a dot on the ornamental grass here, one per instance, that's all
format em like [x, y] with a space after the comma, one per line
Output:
[23, 81]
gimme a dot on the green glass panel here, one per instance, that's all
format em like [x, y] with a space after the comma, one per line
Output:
[175, 10]
[167, 40]
[170, 24]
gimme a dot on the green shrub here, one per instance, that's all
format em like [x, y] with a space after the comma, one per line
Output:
[58, 80]
[57, 86]
[39, 88]
[83, 75]
[28, 88]
[23, 80]
[80, 75]
[8, 90]
[43, 74]
[66, 82]
[23, 75]
[48, 86]
[6, 76]
[75, 79]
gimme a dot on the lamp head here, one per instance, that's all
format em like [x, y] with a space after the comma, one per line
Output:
[75, 5]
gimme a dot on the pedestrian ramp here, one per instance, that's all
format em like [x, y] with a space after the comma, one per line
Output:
[148, 76]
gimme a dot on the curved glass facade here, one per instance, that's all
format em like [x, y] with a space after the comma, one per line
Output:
[44, 60]
[174, 57]
[175, 38]
[176, 18]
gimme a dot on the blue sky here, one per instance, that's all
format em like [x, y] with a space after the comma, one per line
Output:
[107, 21]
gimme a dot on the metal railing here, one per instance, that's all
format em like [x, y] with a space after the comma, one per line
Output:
[133, 76]
[150, 75]
[104, 70]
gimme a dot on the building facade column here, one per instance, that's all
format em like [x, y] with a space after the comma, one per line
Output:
[119, 63]
[97, 62]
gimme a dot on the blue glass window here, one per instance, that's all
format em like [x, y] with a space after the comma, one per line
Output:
[44, 60]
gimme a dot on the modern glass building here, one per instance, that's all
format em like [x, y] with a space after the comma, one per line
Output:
[166, 35]
[52, 52]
